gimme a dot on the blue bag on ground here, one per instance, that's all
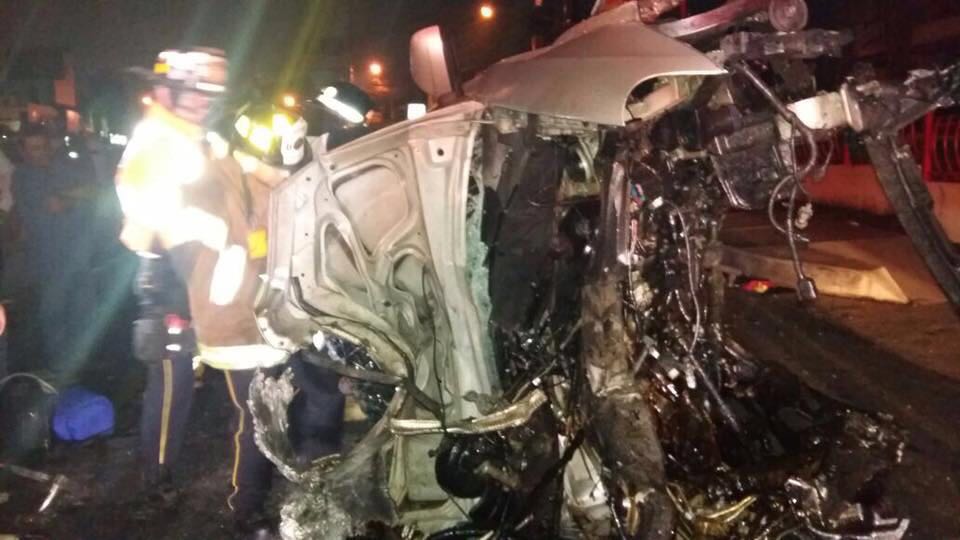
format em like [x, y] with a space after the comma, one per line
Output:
[81, 414]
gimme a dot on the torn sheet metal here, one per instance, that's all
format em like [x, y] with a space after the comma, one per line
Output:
[589, 72]
[333, 497]
[337, 497]
[270, 397]
[57, 482]
[375, 230]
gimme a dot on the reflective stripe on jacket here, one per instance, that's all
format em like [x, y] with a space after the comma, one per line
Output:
[175, 194]
[223, 284]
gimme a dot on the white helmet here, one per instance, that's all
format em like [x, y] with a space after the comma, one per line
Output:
[200, 69]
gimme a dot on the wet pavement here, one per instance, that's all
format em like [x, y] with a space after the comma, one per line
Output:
[875, 357]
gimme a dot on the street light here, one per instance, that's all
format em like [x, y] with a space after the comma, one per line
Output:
[289, 101]
[487, 12]
[375, 68]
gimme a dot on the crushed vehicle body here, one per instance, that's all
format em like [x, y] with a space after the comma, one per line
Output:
[529, 283]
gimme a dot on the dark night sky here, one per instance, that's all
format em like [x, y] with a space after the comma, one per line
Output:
[269, 37]
[276, 37]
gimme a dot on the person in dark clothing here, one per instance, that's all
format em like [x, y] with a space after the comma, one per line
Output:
[53, 210]
[316, 412]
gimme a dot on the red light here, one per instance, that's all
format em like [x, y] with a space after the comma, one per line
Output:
[487, 12]
[376, 69]
[175, 324]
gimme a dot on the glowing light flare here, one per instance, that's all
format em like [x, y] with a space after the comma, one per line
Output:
[329, 99]
[248, 163]
[289, 100]
[189, 168]
[151, 206]
[261, 137]
[375, 68]
[218, 145]
[487, 12]
[281, 123]
[146, 100]
[416, 110]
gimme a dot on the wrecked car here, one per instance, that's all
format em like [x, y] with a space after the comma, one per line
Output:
[528, 285]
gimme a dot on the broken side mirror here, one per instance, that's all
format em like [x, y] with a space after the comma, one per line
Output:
[432, 65]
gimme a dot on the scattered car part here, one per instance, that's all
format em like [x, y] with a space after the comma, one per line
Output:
[57, 482]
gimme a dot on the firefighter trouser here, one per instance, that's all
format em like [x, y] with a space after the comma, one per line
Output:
[316, 423]
[166, 407]
[252, 472]
[316, 412]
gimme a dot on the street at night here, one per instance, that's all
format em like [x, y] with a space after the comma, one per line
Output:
[479, 269]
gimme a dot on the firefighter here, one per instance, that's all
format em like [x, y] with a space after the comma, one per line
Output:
[199, 228]
[344, 114]
[270, 142]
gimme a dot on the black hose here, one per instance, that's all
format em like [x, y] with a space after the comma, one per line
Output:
[458, 532]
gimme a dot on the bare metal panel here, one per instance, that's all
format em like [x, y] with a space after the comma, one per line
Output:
[590, 71]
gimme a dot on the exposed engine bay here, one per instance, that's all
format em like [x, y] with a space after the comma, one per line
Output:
[530, 304]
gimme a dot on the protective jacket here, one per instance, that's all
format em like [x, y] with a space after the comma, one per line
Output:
[181, 200]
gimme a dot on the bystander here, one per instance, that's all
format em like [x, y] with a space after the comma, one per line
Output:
[53, 206]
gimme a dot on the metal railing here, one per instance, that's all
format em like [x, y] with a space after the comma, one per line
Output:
[934, 140]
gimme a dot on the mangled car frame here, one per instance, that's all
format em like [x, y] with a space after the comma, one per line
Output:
[528, 286]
